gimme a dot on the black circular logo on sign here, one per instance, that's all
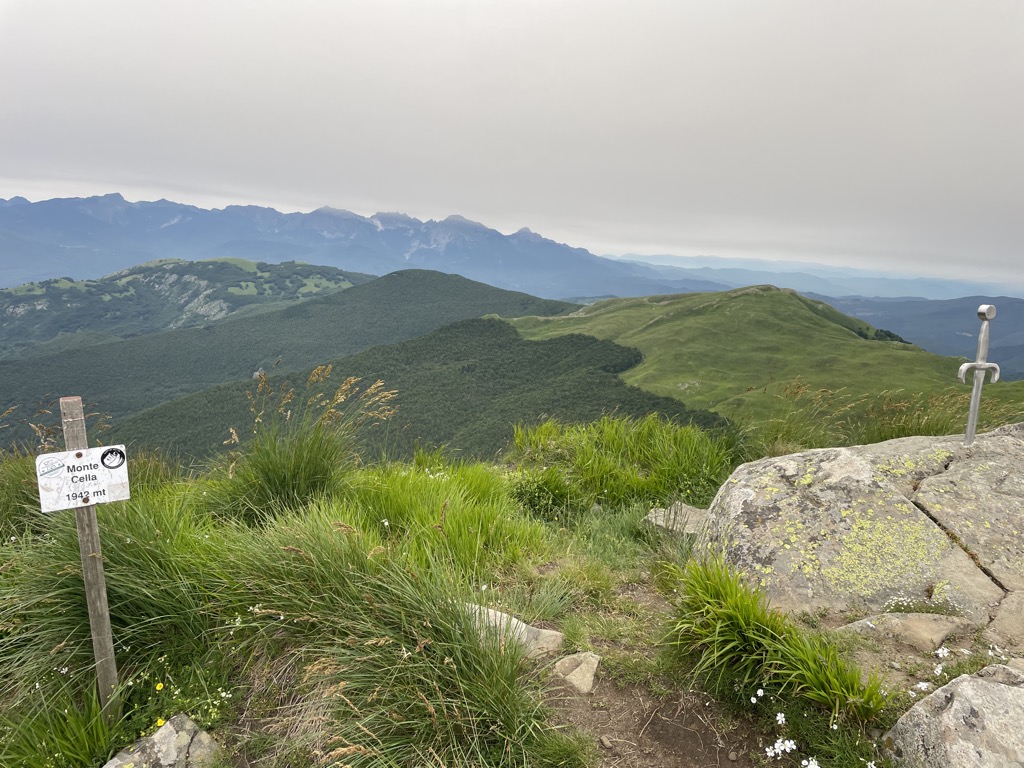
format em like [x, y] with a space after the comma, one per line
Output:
[112, 458]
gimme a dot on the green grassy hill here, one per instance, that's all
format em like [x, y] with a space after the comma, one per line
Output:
[125, 377]
[60, 315]
[731, 352]
[464, 386]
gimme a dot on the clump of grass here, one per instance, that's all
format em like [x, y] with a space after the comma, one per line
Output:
[19, 495]
[58, 730]
[802, 419]
[415, 682]
[895, 413]
[153, 549]
[392, 668]
[460, 514]
[298, 451]
[564, 469]
[734, 637]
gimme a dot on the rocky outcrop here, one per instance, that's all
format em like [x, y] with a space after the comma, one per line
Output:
[178, 743]
[972, 722]
[919, 522]
[918, 519]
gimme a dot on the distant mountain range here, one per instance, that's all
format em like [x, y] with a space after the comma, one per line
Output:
[809, 278]
[86, 238]
[95, 236]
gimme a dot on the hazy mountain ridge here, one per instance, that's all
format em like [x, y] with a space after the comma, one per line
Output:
[94, 236]
[810, 278]
[153, 297]
[90, 237]
[948, 327]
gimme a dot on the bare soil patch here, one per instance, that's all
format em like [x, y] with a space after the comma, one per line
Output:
[631, 728]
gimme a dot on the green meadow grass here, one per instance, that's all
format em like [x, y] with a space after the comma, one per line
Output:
[734, 352]
[311, 609]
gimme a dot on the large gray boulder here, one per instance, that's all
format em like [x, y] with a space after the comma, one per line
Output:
[918, 519]
[178, 743]
[972, 722]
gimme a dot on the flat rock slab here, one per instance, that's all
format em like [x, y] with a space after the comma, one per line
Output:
[537, 641]
[178, 743]
[1009, 621]
[923, 631]
[679, 518]
[972, 722]
[980, 499]
[851, 529]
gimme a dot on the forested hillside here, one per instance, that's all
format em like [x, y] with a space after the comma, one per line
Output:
[153, 297]
[464, 386]
[127, 376]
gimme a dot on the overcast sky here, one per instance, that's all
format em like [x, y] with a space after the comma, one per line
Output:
[884, 134]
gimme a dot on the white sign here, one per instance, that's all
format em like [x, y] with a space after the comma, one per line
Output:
[80, 478]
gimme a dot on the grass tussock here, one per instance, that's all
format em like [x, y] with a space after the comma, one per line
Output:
[728, 627]
[564, 469]
[298, 450]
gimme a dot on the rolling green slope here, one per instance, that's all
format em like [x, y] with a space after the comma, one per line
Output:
[463, 386]
[730, 352]
[58, 315]
[125, 377]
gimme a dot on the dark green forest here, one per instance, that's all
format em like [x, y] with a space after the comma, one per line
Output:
[462, 387]
[125, 377]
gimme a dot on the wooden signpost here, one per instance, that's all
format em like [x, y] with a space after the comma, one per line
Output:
[79, 479]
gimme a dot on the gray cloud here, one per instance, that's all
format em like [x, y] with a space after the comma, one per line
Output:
[865, 132]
